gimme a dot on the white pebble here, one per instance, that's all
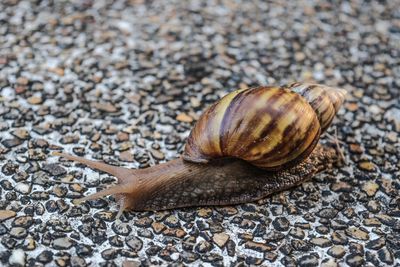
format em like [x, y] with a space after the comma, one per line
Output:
[17, 257]
[22, 188]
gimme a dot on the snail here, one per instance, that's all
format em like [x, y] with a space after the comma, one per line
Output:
[249, 144]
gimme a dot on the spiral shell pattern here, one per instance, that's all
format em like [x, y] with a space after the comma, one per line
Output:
[325, 100]
[269, 127]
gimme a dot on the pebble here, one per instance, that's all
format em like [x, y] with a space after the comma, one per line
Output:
[35, 100]
[7, 214]
[18, 232]
[376, 244]
[134, 243]
[386, 256]
[54, 169]
[357, 233]
[355, 260]
[62, 243]
[220, 239]
[18, 258]
[308, 260]
[23, 188]
[21, 133]
[321, 242]
[370, 188]
[182, 117]
[10, 143]
[45, 256]
[281, 224]
[367, 166]
[337, 251]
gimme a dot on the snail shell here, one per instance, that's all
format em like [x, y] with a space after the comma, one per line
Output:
[269, 127]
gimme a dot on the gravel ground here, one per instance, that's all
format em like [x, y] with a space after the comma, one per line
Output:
[125, 82]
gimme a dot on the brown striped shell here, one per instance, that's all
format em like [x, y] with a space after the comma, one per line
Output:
[269, 127]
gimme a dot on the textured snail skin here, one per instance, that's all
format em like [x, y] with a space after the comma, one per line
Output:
[275, 128]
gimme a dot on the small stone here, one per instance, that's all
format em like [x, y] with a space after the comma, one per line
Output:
[106, 107]
[134, 243]
[281, 224]
[204, 212]
[321, 242]
[308, 261]
[297, 232]
[257, 246]
[45, 256]
[356, 149]
[339, 238]
[177, 232]
[386, 256]
[337, 251]
[370, 188]
[157, 154]
[21, 134]
[322, 229]
[23, 188]
[54, 169]
[357, 233]
[30, 244]
[83, 250]
[109, 254]
[372, 222]
[23, 221]
[10, 143]
[373, 206]
[327, 213]
[107, 216]
[17, 258]
[220, 239]
[122, 136]
[18, 232]
[355, 260]
[126, 156]
[7, 214]
[270, 256]
[58, 71]
[62, 243]
[195, 102]
[121, 228]
[341, 187]
[203, 246]
[35, 100]
[172, 221]
[77, 261]
[376, 243]
[22, 81]
[183, 117]
[367, 166]
[158, 227]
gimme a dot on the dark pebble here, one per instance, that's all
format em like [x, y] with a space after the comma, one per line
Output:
[83, 250]
[281, 224]
[121, 228]
[109, 254]
[308, 261]
[45, 256]
[134, 243]
[116, 241]
[54, 169]
[386, 256]
[355, 260]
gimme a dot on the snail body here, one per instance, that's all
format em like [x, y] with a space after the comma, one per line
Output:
[247, 145]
